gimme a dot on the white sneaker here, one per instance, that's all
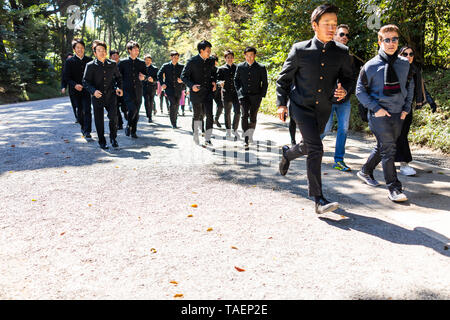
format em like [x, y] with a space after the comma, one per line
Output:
[397, 196]
[236, 135]
[406, 170]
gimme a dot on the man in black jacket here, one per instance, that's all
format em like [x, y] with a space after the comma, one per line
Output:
[150, 87]
[133, 72]
[199, 75]
[103, 81]
[251, 85]
[308, 80]
[114, 55]
[64, 85]
[225, 80]
[79, 96]
[169, 76]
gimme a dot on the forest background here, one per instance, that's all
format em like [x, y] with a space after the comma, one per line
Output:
[35, 37]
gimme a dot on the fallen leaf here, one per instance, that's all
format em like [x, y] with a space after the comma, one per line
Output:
[11, 172]
[62, 233]
[174, 282]
[194, 192]
[90, 205]
[254, 186]
[67, 157]
[117, 166]
[178, 295]
[325, 173]
[343, 216]
[47, 153]
[194, 205]
[269, 238]
[209, 229]
[190, 216]
[65, 171]
[153, 250]
[33, 200]
[251, 203]
[239, 269]
[13, 146]
[445, 247]
[233, 247]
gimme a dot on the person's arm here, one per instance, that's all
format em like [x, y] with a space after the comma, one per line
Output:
[186, 75]
[68, 74]
[362, 92]
[346, 77]
[264, 82]
[409, 97]
[237, 80]
[430, 99]
[88, 79]
[286, 77]
[118, 80]
[161, 76]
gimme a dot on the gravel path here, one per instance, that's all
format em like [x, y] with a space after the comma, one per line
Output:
[162, 217]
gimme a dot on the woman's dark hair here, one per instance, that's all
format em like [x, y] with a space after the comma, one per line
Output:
[321, 10]
[99, 43]
[250, 49]
[132, 44]
[203, 45]
[75, 41]
[405, 48]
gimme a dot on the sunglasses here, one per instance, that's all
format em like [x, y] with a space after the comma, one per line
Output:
[405, 54]
[388, 40]
[344, 34]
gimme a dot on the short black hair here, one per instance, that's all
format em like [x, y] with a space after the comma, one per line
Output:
[75, 41]
[174, 53]
[250, 49]
[112, 52]
[132, 44]
[227, 53]
[202, 45]
[215, 57]
[321, 10]
[99, 43]
[148, 56]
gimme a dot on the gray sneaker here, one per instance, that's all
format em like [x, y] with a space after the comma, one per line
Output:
[369, 179]
[397, 196]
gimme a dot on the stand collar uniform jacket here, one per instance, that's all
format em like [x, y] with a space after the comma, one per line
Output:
[310, 72]
[251, 80]
[152, 71]
[104, 77]
[130, 69]
[74, 71]
[168, 75]
[226, 73]
[202, 72]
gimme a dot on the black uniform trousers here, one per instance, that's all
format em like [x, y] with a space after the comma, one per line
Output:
[81, 101]
[386, 130]
[174, 104]
[110, 105]
[219, 103]
[77, 112]
[228, 105]
[133, 105]
[249, 111]
[311, 124]
[403, 152]
[121, 106]
[202, 109]
[149, 101]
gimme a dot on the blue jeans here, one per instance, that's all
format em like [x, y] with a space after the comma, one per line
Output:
[342, 111]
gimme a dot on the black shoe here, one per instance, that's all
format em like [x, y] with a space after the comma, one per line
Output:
[217, 123]
[88, 136]
[323, 205]
[150, 120]
[120, 127]
[174, 127]
[293, 143]
[133, 135]
[103, 145]
[208, 143]
[284, 163]
[114, 143]
[127, 131]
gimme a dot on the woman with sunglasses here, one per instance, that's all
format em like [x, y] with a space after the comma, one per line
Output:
[421, 97]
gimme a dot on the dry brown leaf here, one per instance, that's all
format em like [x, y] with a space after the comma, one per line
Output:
[153, 250]
[209, 229]
[233, 247]
[174, 282]
[62, 233]
[325, 173]
[251, 203]
[178, 295]
[239, 269]
[190, 216]
[13, 146]
[194, 205]
[47, 153]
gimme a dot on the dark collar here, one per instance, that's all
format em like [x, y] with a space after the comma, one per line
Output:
[320, 45]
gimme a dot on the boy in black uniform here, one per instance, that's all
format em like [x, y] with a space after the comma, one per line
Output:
[199, 75]
[79, 96]
[308, 80]
[251, 85]
[150, 87]
[114, 55]
[103, 81]
[133, 72]
[169, 76]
